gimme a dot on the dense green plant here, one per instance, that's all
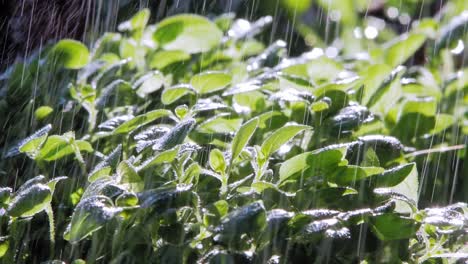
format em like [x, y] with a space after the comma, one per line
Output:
[190, 141]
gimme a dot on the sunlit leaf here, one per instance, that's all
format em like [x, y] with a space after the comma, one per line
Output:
[403, 48]
[190, 33]
[172, 94]
[141, 120]
[391, 226]
[242, 137]
[208, 82]
[279, 137]
[138, 21]
[70, 54]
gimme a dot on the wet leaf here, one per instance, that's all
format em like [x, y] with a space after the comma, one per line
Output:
[172, 94]
[217, 161]
[30, 201]
[127, 199]
[4, 245]
[191, 174]
[105, 167]
[43, 112]
[161, 200]
[391, 226]
[164, 58]
[349, 174]
[190, 33]
[175, 136]
[141, 120]
[242, 137]
[32, 144]
[127, 174]
[220, 124]
[248, 219]
[403, 48]
[148, 83]
[138, 21]
[89, 216]
[317, 161]
[393, 176]
[5, 193]
[279, 137]
[208, 82]
[57, 147]
[70, 54]
[166, 156]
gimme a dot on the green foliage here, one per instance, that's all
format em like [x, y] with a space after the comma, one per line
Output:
[190, 141]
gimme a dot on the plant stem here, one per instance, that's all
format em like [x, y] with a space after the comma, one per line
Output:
[50, 215]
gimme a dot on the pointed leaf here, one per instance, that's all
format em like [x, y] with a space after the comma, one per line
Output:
[280, 137]
[208, 82]
[141, 120]
[242, 137]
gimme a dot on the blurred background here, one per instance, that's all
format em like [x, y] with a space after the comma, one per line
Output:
[340, 25]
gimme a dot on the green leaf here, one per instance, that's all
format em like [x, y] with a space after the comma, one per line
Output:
[442, 122]
[425, 106]
[399, 50]
[191, 174]
[167, 156]
[181, 111]
[164, 58]
[373, 78]
[214, 212]
[391, 226]
[99, 173]
[4, 245]
[242, 137]
[149, 83]
[260, 186]
[316, 162]
[208, 82]
[127, 199]
[5, 193]
[141, 120]
[388, 93]
[70, 54]
[172, 94]
[127, 174]
[52, 183]
[411, 125]
[190, 33]
[175, 136]
[89, 216]
[351, 173]
[43, 112]
[32, 144]
[248, 219]
[220, 124]
[279, 137]
[217, 161]
[57, 147]
[224, 21]
[393, 176]
[319, 106]
[409, 187]
[163, 199]
[138, 21]
[105, 167]
[30, 201]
